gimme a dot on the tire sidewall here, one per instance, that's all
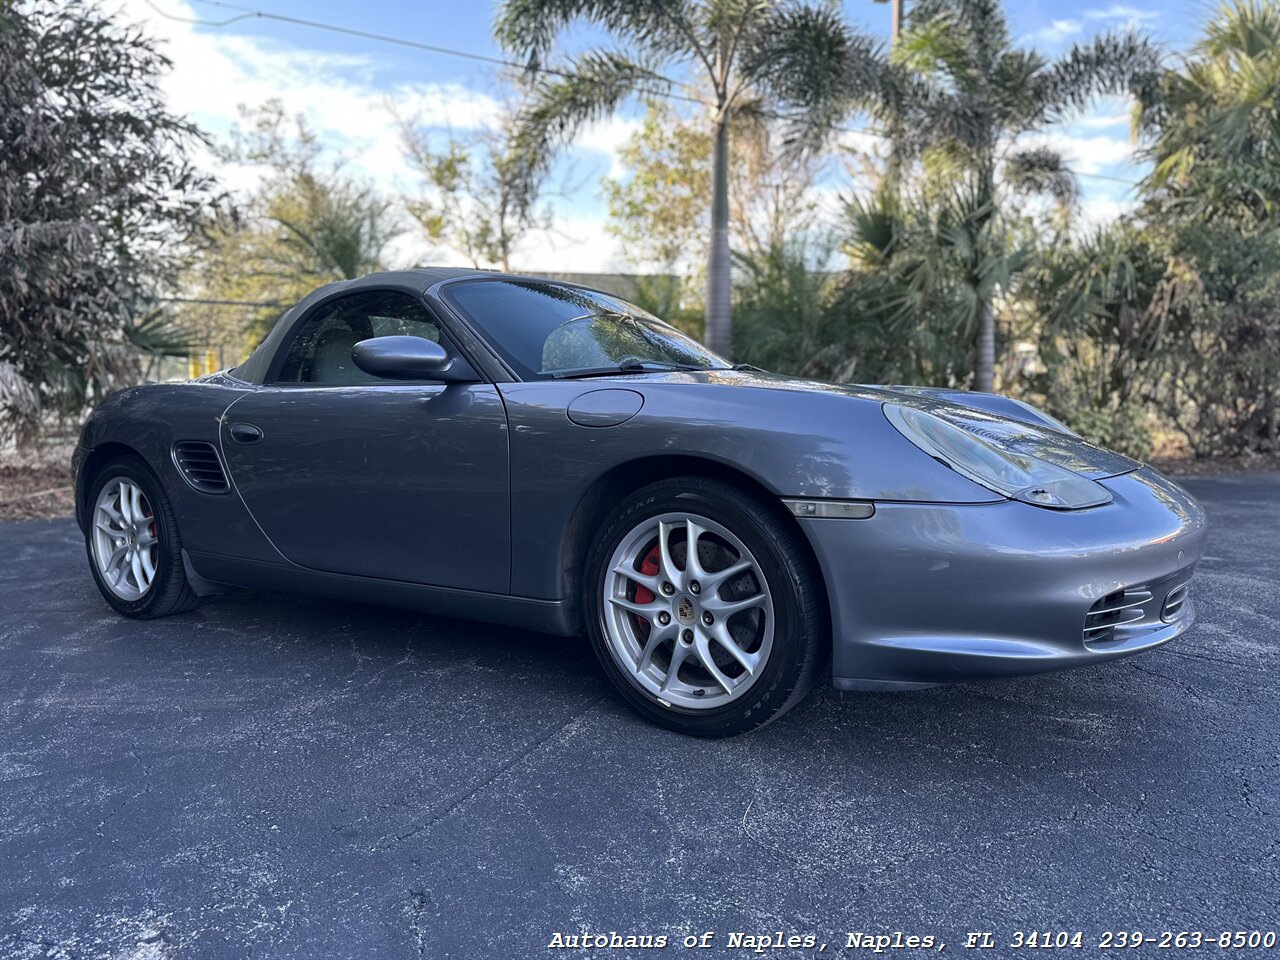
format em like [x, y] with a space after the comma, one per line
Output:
[783, 670]
[168, 552]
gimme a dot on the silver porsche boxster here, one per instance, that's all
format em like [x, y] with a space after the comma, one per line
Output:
[538, 454]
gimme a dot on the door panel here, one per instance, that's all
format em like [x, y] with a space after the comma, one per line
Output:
[402, 482]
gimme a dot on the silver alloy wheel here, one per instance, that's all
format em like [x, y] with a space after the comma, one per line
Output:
[125, 539]
[693, 627]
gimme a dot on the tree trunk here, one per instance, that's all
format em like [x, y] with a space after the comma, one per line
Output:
[984, 377]
[719, 333]
[985, 374]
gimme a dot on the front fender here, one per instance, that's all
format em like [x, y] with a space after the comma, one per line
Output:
[792, 443]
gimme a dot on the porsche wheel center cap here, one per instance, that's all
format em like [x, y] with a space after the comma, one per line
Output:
[685, 611]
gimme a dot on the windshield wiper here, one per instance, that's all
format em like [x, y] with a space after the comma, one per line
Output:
[626, 368]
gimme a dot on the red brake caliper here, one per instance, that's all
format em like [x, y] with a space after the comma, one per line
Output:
[649, 567]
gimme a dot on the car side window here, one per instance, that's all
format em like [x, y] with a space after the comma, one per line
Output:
[320, 352]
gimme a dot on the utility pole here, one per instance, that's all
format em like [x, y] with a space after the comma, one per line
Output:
[896, 10]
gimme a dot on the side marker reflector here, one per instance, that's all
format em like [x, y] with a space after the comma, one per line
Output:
[831, 509]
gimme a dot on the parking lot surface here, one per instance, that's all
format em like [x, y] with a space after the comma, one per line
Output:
[283, 777]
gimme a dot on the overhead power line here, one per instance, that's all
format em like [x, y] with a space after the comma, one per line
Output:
[249, 13]
[1104, 176]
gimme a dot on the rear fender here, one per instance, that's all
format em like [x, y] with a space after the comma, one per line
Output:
[147, 420]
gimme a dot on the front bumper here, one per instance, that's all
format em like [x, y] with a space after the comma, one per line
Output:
[925, 593]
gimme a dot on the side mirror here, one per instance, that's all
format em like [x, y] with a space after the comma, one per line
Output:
[403, 358]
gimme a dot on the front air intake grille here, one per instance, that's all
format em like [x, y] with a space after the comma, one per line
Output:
[1174, 603]
[198, 462]
[1114, 610]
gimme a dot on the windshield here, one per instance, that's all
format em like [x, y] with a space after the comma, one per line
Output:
[546, 330]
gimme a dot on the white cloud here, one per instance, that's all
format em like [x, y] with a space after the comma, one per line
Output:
[1120, 11]
[1099, 211]
[348, 102]
[351, 107]
[1059, 30]
[214, 74]
[411, 249]
[1083, 154]
[577, 243]
[863, 143]
[1133, 17]
[1099, 120]
[606, 137]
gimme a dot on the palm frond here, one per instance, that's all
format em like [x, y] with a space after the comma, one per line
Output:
[590, 89]
[1013, 87]
[934, 44]
[159, 334]
[988, 32]
[1110, 63]
[1243, 31]
[1214, 124]
[529, 28]
[873, 228]
[1041, 170]
[813, 66]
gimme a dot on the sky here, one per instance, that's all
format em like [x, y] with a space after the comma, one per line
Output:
[350, 90]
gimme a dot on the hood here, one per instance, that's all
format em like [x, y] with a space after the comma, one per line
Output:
[1007, 423]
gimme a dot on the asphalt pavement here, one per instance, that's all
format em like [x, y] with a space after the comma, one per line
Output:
[280, 777]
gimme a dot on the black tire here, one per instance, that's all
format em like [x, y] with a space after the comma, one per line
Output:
[801, 643]
[170, 592]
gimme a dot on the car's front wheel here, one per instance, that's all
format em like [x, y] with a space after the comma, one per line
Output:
[704, 607]
[132, 540]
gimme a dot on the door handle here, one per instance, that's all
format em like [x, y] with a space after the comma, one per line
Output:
[245, 433]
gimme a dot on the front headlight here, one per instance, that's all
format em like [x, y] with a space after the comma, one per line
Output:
[1015, 475]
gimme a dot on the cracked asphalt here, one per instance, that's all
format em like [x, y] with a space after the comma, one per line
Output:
[283, 777]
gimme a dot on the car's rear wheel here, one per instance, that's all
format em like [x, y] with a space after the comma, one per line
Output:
[704, 607]
[132, 539]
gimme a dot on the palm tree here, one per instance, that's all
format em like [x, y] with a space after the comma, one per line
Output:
[793, 60]
[1213, 120]
[1216, 121]
[924, 259]
[960, 96]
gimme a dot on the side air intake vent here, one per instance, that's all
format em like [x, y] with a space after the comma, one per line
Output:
[1174, 603]
[1114, 610]
[198, 462]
